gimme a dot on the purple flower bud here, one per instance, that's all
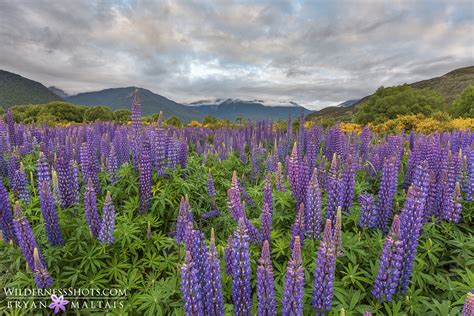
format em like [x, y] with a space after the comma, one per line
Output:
[367, 210]
[144, 169]
[48, 208]
[241, 284]
[42, 278]
[265, 283]
[294, 283]
[323, 288]
[313, 208]
[337, 234]
[6, 220]
[468, 308]
[390, 264]
[279, 182]
[90, 209]
[20, 185]
[191, 288]
[228, 256]
[297, 230]
[213, 297]
[107, 225]
[185, 216]
[25, 236]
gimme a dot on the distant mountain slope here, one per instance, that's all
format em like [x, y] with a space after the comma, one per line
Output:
[121, 98]
[17, 90]
[449, 86]
[232, 109]
[59, 92]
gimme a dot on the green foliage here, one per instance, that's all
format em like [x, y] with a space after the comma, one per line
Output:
[149, 268]
[174, 121]
[52, 112]
[98, 113]
[387, 103]
[463, 105]
[209, 119]
[122, 116]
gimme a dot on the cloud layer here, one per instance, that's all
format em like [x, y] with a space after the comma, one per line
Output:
[316, 53]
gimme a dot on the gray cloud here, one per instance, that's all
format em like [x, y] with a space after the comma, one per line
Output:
[316, 53]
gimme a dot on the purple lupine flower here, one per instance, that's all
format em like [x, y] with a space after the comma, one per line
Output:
[411, 222]
[48, 209]
[136, 112]
[42, 168]
[346, 192]
[323, 288]
[185, 216]
[390, 264]
[241, 284]
[65, 176]
[388, 188]
[90, 209]
[6, 220]
[191, 288]
[367, 210]
[211, 190]
[11, 128]
[337, 234]
[20, 185]
[265, 283]
[294, 174]
[293, 292]
[228, 256]
[42, 277]
[237, 209]
[25, 236]
[313, 208]
[55, 185]
[332, 189]
[367, 314]
[144, 168]
[453, 212]
[267, 210]
[469, 185]
[298, 227]
[468, 308]
[279, 182]
[107, 225]
[75, 181]
[213, 297]
[366, 138]
[112, 165]
[196, 245]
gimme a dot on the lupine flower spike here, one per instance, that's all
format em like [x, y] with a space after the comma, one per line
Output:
[294, 283]
[265, 285]
[106, 231]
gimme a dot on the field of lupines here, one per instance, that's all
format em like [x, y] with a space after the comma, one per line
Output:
[245, 221]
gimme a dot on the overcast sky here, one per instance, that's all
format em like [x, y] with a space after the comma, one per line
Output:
[316, 53]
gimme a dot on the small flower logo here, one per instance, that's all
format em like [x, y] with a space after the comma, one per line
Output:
[58, 303]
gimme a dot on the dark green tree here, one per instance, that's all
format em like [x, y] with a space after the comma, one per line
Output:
[98, 113]
[387, 103]
[122, 116]
[174, 121]
[463, 105]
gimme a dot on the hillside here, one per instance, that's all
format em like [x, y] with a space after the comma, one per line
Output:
[121, 98]
[59, 92]
[16, 90]
[449, 86]
[232, 109]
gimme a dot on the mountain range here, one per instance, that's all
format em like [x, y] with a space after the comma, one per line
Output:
[448, 85]
[15, 89]
[121, 98]
[232, 109]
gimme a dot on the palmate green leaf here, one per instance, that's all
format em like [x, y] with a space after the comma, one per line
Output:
[92, 260]
[132, 280]
[157, 300]
[441, 308]
[93, 280]
[117, 268]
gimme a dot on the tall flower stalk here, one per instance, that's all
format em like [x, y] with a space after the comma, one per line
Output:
[294, 283]
[323, 288]
[265, 283]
